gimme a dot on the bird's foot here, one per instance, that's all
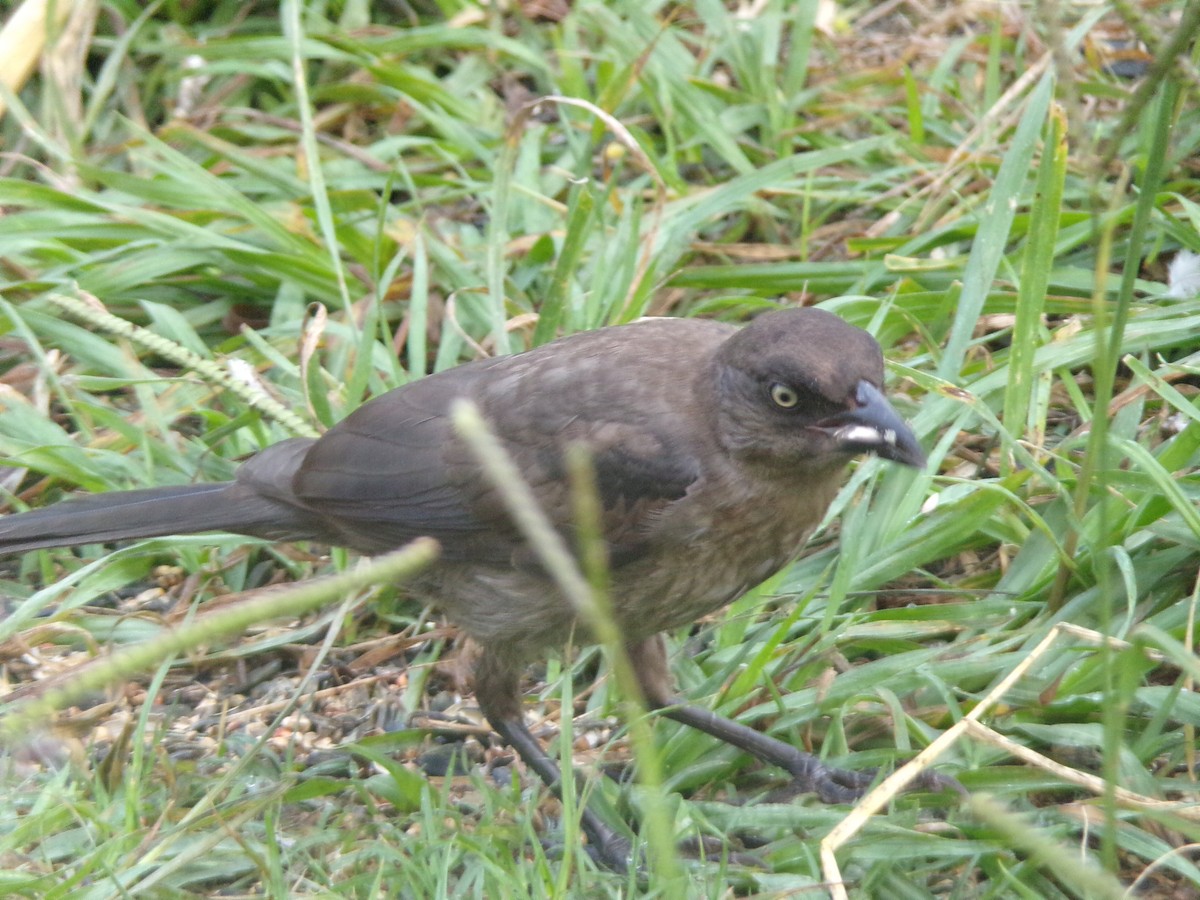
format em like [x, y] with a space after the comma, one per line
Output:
[619, 854]
[706, 848]
[833, 785]
[612, 851]
[829, 783]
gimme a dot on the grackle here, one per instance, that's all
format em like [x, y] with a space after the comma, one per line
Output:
[717, 450]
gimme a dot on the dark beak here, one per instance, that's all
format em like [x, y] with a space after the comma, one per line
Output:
[874, 427]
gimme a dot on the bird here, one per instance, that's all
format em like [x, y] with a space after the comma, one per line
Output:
[716, 450]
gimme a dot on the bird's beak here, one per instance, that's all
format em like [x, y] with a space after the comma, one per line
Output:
[874, 427]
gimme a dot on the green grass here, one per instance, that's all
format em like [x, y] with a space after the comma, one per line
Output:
[341, 197]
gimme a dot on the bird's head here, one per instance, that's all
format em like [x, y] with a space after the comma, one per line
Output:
[802, 388]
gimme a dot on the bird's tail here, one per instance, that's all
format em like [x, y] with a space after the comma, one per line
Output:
[151, 512]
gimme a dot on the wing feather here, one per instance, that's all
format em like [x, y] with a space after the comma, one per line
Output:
[394, 469]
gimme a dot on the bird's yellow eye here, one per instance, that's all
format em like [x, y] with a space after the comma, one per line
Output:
[783, 396]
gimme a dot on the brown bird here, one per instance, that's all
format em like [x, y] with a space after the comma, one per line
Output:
[716, 449]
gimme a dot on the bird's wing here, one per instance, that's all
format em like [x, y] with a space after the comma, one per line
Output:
[379, 477]
[395, 469]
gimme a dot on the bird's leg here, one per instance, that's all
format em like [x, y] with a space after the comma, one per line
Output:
[810, 774]
[497, 688]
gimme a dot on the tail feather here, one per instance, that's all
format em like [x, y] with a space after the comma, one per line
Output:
[151, 512]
